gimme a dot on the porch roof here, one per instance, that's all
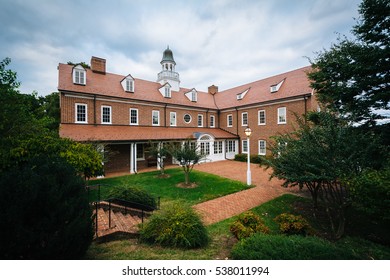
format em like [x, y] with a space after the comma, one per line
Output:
[112, 133]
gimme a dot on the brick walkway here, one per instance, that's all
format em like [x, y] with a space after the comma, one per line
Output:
[228, 206]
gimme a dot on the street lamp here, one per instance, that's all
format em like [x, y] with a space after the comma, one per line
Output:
[248, 133]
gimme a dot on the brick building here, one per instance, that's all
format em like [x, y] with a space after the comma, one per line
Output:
[126, 113]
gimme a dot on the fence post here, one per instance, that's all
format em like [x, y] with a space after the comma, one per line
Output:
[109, 214]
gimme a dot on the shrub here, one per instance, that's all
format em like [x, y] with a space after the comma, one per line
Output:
[254, 158]
[44, 211]
[292, 224]
[133, 194]
[175, 226]
[248, 224]
[282, 247]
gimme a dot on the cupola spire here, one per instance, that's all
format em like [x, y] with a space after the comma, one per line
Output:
[168, 74]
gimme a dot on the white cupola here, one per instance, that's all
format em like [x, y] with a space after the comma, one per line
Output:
[168, 74]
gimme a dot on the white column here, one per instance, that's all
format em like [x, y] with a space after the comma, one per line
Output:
[159, 146]
[135, 158]
[132, 171]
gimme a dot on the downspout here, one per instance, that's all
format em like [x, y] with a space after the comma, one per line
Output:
[207, 118]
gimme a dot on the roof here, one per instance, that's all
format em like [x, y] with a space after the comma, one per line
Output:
[295, 83]
[110, 85]
[109, 133]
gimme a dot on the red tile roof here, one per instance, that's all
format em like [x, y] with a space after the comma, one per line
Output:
[295, 83]
[104, 133]
[110, 85]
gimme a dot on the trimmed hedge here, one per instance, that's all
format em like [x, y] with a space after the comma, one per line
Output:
[133, 194]
[254, 158]
[294, 247]
[175, 226]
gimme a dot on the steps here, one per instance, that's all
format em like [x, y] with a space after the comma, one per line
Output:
[124, 222]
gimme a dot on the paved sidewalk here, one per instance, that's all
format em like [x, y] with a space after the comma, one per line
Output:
[228, 206]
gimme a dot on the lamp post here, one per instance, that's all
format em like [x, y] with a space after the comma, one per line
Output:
[248, 133]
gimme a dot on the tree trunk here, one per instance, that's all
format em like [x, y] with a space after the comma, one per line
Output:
[186, 175]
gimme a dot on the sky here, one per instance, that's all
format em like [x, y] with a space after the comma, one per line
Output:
[222, 42]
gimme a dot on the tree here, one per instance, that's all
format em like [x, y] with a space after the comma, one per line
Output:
[44, 211]
[160, 152]
[353, 77]
[188, 155]
[324, 155]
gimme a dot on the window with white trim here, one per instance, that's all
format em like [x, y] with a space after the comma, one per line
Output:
[244, 119]
[129, 85]
[205, 148]
[200, 120]
[167, 91]
[218, 147]
[212, 121]
[140, 152]
[106, 114]
[81, 113]
[262, 119]
[79, 75]
[262, 147]
[187, 118]
[155, 118]
[282, 115]
[244, 146]
[229, 120]
[172, 118]
[133, 116]
[231, 146]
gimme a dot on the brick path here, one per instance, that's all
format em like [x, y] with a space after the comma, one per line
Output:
[228, 206]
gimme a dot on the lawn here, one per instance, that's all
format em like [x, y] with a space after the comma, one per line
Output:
[355, 245]
[208, 186]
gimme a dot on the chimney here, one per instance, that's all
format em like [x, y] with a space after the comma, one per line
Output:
[98, 65]
[213, 89]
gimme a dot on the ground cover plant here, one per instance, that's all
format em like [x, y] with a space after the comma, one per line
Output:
[208, 186]
[357, 245]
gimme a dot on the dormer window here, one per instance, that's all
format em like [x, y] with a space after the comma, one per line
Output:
[192, 95]
[128, 84]
[276, 87]
[241, 95]
[79, 75]
[167, 91]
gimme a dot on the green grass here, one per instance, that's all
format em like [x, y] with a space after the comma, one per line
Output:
[208, 186]
[222, 240]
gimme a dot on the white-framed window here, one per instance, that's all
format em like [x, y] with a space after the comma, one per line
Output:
[218, 147]
[79, 75]
[231, 146]
[212, 121]
[229, 120]
[81, 113]
[187, 118]
[200, 120]
[205, 148]
[282, 115]
[155, 118]
[244, 146]
[244, 119]
[133, 116]
[106, 115]
[129, 85]
[194, 96]
[262, 119]
[167, 91]
[172, 118]
[262, 147]
[140, 152]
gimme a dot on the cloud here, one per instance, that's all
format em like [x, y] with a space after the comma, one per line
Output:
[222, 42]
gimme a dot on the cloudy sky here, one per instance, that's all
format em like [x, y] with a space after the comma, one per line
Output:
[221, 42]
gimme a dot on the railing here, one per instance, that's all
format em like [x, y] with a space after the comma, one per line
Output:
[168, 74]
[124, 204]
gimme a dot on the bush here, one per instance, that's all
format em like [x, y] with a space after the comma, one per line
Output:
[254, 158]
[291, 224]
[44, 211]
[248, 224]
[175, 226]
[133, 194]
[281, 247]
[371, 193]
